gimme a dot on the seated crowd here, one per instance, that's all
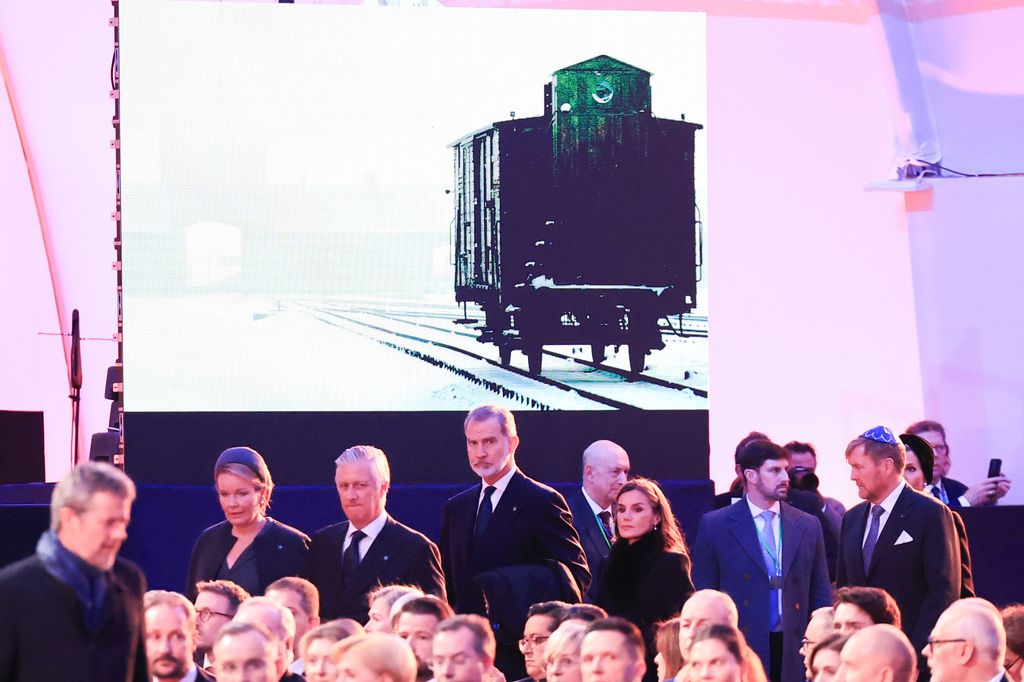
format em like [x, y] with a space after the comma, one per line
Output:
[780, 583]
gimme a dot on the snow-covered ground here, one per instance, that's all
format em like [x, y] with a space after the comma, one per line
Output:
[231, 353]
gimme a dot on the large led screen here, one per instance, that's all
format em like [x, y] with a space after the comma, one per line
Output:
[333, 208]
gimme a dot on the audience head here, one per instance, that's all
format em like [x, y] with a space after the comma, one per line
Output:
[170, 624]
[935, 434]
[302, 599]
[491, 441]
[246, 652]
[363, 478]
[801, 455]
[605, 470]
[217, 602]
[374, 657]
[878, 653]
[463, 649]
[315, 648]
[540, 623]
[762, 465]
[641, 508]
[244, 485]
[819, 626]
[416, 622]
[858, 607]
[666, 640]
[580, 613]
[823, 659]
[276, 619]
[612, 651]
[89, 512]
[381, 600]
[705, 607]
[920, 466]
[719, 653]
[1013, 624]
[562, 652]
[876, 460]
[967, 644]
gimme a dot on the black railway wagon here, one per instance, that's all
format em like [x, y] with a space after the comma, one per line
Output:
[578, 227]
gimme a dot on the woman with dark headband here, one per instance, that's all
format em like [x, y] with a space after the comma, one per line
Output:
[248, 548]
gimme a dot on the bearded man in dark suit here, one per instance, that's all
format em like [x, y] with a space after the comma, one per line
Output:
[898, 539]
[509, 533]
[74, 609]
[348, 559]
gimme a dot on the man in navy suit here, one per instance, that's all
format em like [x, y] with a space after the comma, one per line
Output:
[605, 469]
[769, 557]
[898, 539]
[951, 491]
[348, 559]
[508, 530]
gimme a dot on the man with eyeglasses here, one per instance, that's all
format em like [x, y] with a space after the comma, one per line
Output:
[540, 623]
[877, 653]
[217, 601]
[170, 621]
[346, 560]
[952, 492]
[463, 650]
[1013, 623]
[819, 626]
[967, 644]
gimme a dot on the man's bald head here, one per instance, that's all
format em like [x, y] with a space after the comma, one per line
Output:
[705, 607]
[878, 653]
[968, 642]
[605, 470]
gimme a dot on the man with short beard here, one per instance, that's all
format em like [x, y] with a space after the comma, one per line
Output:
[416, 622]
[217, 601]
[170, 621]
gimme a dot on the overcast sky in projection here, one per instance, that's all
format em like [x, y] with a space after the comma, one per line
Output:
[335, 118]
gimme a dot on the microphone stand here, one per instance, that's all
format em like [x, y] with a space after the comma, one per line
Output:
[75, 380]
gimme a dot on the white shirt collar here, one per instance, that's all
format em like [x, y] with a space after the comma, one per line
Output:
[191, 676]
[502, 482]
[372, 529]
[889, 502]
[297, 667]
[594, 506]
[756, 511]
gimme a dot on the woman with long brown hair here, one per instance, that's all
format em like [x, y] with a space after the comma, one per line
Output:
[647, 577]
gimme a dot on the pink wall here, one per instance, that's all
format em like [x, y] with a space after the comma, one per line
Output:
[818, 287]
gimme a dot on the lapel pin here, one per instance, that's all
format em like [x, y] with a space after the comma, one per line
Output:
[385, 557]
[515, 508]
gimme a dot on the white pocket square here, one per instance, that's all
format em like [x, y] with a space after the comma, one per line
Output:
[903, 539]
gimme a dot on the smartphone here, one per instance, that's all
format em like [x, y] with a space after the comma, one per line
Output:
[995, 467]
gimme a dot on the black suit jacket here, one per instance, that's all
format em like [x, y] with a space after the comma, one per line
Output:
[954, 490]
[280, 551]
[922, 574]
[43, 637]
[595, 546]
[398, 555]
[530, 524]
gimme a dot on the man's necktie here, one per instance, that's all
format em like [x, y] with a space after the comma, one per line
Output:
[872, 539]
[350, 560]
[606, 523]
[483, 515]
[940, 492]
[772, 562]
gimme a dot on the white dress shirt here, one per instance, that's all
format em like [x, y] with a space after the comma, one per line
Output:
[887, 504]
[499, 488]
[596, 508]
[759, 523]
[372, 530]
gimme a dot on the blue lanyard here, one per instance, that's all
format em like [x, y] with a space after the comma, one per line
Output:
[778, 543]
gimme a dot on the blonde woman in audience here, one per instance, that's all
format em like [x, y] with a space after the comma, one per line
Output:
[562, 653]
[382, 602]
[374, 655]
[315, 648]
[719, 653]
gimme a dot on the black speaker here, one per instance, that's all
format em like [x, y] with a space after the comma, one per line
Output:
[104, 446]
[21, 447]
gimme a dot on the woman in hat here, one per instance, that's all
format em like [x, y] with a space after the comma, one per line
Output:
[248, 548]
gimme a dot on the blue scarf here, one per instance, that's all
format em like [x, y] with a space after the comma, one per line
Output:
[88, 582]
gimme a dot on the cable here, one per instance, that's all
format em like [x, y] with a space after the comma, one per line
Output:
[977, 175]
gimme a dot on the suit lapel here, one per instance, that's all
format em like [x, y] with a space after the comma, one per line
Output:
[893, 526]
[507, 509]
[376, 560]
[855, 543]
[792, 536]
[741, 525]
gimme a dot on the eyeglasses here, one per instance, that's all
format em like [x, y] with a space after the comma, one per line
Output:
[535, 641]
[206, 614]
[932, 642]
[1015, 662]
[806, 644]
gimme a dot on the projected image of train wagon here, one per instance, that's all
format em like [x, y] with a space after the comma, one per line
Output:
[578, 227]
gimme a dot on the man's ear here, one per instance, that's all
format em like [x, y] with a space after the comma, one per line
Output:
[513, 444]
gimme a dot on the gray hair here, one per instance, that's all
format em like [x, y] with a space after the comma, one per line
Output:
[505, 418]
[174, 600]
[286, 621]
[367, 453]
[235, 628]
[76, 490]
[567, 638]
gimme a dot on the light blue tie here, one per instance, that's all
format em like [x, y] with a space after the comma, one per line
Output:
[872, 539]
[771, 554]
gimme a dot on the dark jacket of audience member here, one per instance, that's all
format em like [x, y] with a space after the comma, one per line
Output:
[279, 551]
[37, 611]
[510, 591]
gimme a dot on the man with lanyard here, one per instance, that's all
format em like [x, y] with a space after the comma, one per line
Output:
[769, 557]
[605, 469]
